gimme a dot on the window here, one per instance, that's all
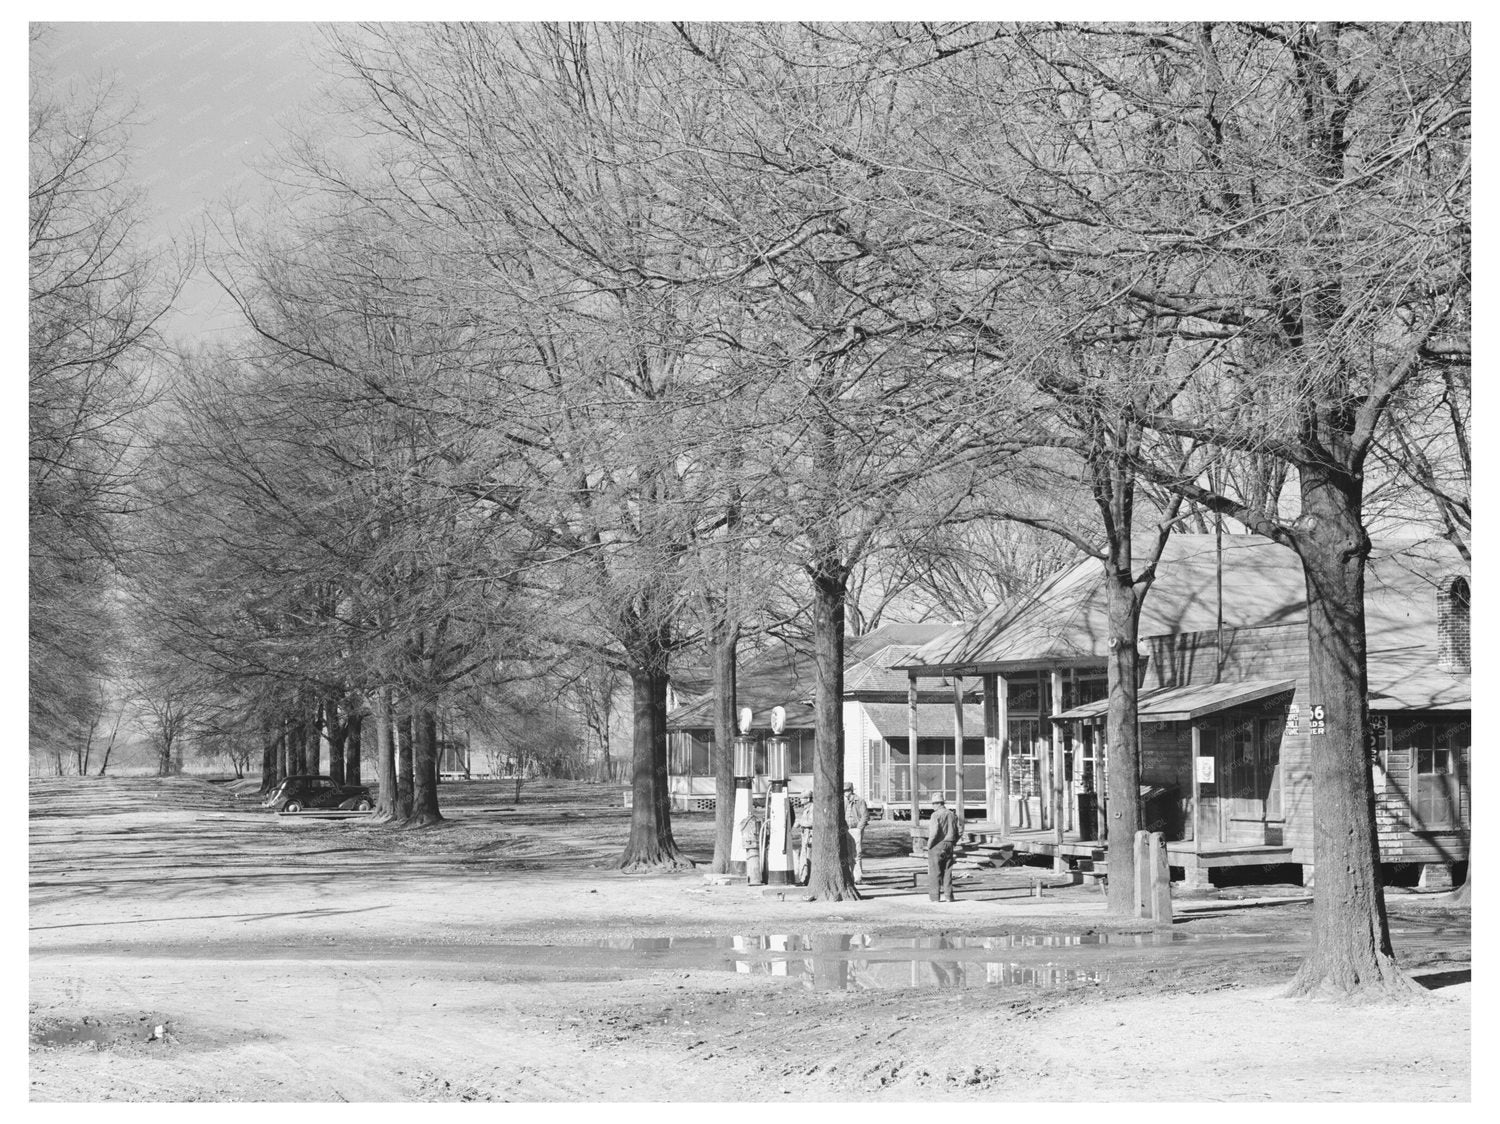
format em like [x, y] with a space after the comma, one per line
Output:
[1436, 795]
[1242, 770]
[1271, 731]
[1024, 735]
[1430, 751]
[1080, 689]
[800, 751]
[688, 754]
[1023, 694]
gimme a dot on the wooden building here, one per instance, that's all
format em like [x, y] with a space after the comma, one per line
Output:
[1225, 719]
[875, 720]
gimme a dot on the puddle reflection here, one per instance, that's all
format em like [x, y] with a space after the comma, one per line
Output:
[842, 962]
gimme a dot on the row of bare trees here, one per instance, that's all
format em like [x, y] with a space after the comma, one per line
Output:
[587, 344]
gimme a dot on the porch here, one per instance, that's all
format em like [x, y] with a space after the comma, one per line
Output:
[1089, 858]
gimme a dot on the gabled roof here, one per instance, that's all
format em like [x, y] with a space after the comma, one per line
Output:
[1064, 619]
[869, 660]
[933, 720]
[785, 675]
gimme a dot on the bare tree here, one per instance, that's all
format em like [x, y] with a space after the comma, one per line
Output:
[95, 296]
[1302, 191]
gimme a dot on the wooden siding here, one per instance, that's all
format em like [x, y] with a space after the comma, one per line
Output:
[1280, 652]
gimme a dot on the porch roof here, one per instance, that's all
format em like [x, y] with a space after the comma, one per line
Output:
[1183, 704]
[934, 720]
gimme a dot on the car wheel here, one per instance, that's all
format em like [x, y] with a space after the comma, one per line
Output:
[292, 806]
[362, 805]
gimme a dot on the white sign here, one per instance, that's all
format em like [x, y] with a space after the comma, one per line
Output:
[746, 715]
[1205, 770]
[778, 719]
[1317, 719]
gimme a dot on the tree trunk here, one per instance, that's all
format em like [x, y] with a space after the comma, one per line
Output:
[1123, 763]
[335, 730]
[725, 643]
[296, 756]
[352, 745]
[110, 745]
[312, 740]
[385, 755]
[650, 846]
[404, 764]
[269, 739]
[424, 806]
[1351, 953]
[832, 875]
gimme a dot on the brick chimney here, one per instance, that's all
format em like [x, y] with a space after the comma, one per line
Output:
[1453, 626]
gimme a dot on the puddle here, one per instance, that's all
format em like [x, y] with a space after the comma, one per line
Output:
[850, 962]
[72, 1034]
[824, 961]
[89, 1031]
[843, 961]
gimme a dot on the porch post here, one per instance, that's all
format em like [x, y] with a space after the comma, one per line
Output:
[1193, 820]
[991, 746]
[911, 754]
[1002, 733]
[958, 748]
[1059, 862]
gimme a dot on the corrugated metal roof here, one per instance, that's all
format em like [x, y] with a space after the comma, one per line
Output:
[1066, 616]
[1182, 704]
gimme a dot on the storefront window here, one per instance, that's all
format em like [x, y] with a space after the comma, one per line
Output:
[1432, 749]
[1271, 730]
[1436, 792]
[800, 751]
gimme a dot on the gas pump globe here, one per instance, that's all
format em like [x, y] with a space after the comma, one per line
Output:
[778, 815]
[776, 759]
[743, 754]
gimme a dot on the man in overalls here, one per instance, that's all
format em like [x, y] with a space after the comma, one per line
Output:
[942, 837]
[856, 815]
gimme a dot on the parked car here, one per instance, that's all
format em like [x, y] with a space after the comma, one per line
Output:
[298, 793]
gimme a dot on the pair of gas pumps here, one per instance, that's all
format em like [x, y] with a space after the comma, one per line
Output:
[762, 849]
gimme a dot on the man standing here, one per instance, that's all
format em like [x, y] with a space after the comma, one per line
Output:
[805, 826]
[942, 837]
[856, 815]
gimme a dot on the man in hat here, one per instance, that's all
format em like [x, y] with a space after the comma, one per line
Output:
[856, 815]
[805, 826]
[942, 837]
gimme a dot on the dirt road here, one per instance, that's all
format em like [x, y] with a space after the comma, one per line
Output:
[185, 945]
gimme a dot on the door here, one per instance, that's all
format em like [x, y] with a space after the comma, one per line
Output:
[1208, 826]
[1249, 766]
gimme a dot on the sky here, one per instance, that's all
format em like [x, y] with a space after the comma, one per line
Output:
[211, 103]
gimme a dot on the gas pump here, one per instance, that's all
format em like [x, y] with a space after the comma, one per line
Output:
[744, 808]
[778, 855]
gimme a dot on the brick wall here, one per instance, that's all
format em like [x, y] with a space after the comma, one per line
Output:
[1453, 625]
